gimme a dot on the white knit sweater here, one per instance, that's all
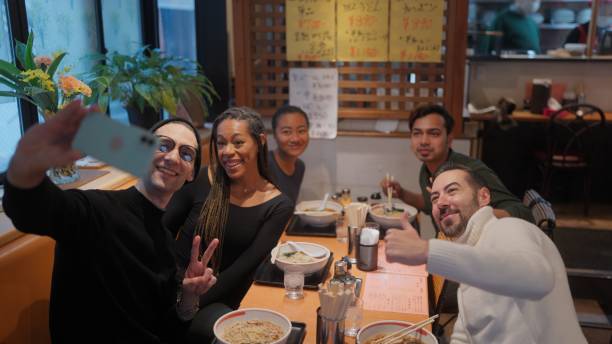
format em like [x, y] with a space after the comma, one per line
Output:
[514, 286]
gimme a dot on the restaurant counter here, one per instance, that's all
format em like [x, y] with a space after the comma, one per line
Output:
[304, 310]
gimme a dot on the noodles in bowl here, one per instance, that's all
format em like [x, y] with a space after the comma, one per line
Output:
[298, 257]
[252, 331]
[289, 260]
[252, 325]
[373, 332]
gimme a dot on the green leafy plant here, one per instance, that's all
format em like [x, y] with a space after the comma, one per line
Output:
[34, 80]
[150, 78]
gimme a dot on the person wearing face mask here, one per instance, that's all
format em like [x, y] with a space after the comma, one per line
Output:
[234, 199]
[513, 282]
[290, 126]
[520, 32]
[115, 278]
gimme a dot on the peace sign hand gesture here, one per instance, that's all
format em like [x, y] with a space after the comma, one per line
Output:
[198, 276]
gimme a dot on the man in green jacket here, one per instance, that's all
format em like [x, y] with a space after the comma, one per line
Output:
[431, 128]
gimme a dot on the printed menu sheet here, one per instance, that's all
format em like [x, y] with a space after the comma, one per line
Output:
[311, 30]
[398, 293]
[315, 90]
[397, 268]
[416, 30]
[363, 30]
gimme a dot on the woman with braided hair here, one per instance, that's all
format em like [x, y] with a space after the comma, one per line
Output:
[234, 200]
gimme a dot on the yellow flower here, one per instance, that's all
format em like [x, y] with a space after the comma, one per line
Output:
[71, 85]
[44, 81]
[43, 60]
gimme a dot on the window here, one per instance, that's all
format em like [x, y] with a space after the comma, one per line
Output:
[177, 28]
[123, 34]
[69, 26]
[10, 125]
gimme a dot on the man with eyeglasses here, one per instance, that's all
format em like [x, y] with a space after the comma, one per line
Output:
[114, 277]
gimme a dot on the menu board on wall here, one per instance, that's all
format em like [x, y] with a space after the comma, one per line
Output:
[311, 30]
[416, 30]
[363, 30]
[315, 90]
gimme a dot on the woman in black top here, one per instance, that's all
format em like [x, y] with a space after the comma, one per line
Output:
[290, 126]
[233, 200]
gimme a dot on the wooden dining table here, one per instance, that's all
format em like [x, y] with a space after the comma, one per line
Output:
[304, 310]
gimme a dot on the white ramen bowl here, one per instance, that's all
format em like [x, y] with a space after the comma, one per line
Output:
[389, 326]
[305, 268]
[318, 218]
[390, 221]
[231, 318]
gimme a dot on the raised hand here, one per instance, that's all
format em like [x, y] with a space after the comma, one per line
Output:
[396, 188]
[404, 245]
[47, 145]
[198, 276]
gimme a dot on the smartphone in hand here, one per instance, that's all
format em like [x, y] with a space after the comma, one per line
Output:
[125, 147]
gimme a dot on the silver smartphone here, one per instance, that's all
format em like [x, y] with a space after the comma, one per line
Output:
[125, 147]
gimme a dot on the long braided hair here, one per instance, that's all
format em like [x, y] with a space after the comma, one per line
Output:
[215, 211]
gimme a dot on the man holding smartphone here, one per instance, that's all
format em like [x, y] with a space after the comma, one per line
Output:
[114, 275]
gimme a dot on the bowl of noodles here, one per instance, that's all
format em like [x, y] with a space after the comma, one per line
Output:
[309, 213]
[370, 333]
[390, 218]
[290, 260]
[252, 325]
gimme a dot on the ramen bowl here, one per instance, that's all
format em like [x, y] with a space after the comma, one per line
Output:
[252, 314]
[308, 214]
[388, 220]
[386, 327]
[285, 263]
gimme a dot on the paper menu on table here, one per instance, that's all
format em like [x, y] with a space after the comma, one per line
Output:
[397, 268]
[395, 293]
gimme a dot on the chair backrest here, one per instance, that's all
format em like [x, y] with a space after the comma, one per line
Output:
[569, 130]
[541, 210]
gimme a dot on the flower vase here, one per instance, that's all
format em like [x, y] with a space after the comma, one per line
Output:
[64, 175]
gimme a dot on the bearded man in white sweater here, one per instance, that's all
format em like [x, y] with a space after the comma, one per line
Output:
[513, 283]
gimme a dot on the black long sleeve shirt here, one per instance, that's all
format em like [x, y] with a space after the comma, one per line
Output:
[250, 234]
[114, 272]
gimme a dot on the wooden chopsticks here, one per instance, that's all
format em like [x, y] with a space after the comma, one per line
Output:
[388, 339]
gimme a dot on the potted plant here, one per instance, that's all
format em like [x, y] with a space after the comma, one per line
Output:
[150, 81]
[35, 81]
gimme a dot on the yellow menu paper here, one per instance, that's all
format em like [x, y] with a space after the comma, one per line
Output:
[363, 30]
[416, 30]
[311, 30]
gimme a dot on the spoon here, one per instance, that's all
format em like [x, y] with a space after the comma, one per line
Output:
[313, 252]
[324, 202]
[273, 260]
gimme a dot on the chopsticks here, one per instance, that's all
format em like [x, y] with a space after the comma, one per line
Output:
[334, 300]
[389, 207]
[388, 339]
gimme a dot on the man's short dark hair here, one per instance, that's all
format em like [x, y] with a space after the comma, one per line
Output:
[473, 178]
[430, 109]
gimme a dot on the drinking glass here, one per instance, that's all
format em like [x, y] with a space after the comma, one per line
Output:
[354, 315]
[294, 285]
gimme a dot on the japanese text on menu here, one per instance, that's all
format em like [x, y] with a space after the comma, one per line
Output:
[315, 90]
[363, 32]
[311, 30]
[416, 30]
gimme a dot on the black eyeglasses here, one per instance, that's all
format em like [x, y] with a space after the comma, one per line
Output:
[166, 145]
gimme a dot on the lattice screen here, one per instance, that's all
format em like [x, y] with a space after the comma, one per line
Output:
[367, 90]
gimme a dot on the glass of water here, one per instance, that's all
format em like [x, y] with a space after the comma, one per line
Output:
[294, 285]
[354, 315]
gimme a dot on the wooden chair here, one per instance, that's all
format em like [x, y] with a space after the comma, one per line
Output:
[570, 145]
